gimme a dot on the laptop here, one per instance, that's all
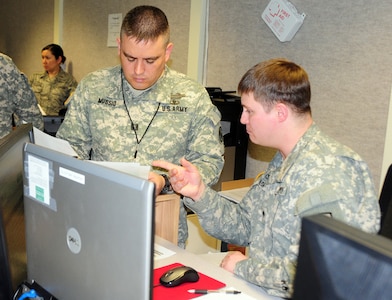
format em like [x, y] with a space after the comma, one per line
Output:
[89, 228]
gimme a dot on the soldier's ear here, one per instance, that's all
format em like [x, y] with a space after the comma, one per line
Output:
[282, 111]
[169, 49]
[118, 45]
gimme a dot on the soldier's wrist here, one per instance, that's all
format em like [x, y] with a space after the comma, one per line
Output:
[167, 188]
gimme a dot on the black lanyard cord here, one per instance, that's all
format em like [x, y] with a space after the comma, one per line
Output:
[133, 124]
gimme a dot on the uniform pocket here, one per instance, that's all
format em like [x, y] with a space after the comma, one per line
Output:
[322, 200]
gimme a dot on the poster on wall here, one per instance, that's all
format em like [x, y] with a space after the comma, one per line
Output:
[114, 26]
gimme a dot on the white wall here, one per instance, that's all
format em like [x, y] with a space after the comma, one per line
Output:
[345, 46]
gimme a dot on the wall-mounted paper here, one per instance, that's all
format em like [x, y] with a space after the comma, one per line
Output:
[114, 26]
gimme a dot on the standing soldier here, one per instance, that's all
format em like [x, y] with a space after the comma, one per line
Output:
[17, 100]
[142, 110]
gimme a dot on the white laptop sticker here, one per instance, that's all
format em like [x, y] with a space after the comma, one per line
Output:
[39, 179]
[71, 175]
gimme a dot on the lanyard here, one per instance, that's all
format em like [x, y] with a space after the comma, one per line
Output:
[133, 125]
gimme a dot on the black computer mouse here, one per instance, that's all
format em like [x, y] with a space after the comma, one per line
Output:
[179, 275]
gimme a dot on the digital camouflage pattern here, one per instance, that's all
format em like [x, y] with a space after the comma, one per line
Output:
[16, 97]
[174, 118]
[51, 93]
[320, 176]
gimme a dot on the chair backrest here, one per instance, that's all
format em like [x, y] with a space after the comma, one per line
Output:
[6, 290]
[386, 205]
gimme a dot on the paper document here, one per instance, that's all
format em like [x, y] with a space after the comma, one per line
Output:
[45, 140]
[41, 110]
[114, 28]
[162, 252]
[134, 169]
[235, 195]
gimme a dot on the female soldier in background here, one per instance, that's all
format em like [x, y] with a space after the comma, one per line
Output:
[54, 86]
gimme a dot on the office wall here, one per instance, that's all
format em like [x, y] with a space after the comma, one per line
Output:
[86, 26]
[26, 27]
[29, 26]
[344, 46]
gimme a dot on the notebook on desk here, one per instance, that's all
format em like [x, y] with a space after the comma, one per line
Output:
[89, 228]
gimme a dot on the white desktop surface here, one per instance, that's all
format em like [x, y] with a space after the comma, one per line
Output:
[213, 270]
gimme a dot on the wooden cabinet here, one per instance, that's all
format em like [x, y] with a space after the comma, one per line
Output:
[167, 211]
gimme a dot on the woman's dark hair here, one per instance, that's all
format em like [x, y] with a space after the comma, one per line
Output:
[56, 50]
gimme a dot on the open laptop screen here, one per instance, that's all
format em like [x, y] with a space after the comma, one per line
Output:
[12, 238]
[89, 229]
[337, 261]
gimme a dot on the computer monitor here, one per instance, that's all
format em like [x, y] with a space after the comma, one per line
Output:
[337, 261]
[52, 124]
[11, 162]
[89, 228]
[13, 249]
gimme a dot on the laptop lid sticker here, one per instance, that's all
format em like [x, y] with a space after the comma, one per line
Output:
[71, 175]
[39, 180]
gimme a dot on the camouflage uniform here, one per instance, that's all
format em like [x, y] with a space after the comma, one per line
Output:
[51, 93]
[174, 118]
[318, 176]
[16, 97]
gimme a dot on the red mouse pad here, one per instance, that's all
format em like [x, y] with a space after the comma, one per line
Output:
[181, 291]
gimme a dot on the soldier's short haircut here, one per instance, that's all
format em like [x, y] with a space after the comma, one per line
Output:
[278, 80]
[145, 23]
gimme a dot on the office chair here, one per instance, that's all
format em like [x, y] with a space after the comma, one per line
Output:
[386, 205]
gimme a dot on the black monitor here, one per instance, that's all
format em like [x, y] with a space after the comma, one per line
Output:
[52, 124]
[337, 261]
[12, 235]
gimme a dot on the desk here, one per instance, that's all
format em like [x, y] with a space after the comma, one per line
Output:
[167, 213]
[236, 184]
[204, 266]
